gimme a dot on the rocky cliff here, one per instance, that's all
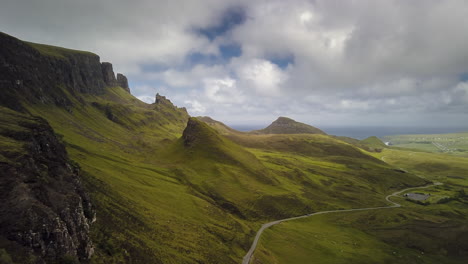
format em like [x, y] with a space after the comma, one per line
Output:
[42, 73]
[122, 82]
[44, 210]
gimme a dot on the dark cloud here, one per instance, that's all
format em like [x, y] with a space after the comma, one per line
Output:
[227, 20]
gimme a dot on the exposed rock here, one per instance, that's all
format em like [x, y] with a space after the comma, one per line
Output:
[41, 73]
[43, 206]
[191, 131]
[162, 100]
[108, 74]
[122, 82]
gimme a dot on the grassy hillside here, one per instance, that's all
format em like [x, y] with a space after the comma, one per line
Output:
[168, 188]
[218, 126]
[431, 232]
[200, 197]
[373, 143]
[284, 125]
[55, 51]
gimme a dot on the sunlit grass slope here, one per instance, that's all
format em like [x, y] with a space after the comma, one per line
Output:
[163, 196]
[373, 143]
[170, 189]
[452, 143]
[431, 232]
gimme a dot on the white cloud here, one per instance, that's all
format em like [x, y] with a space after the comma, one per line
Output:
[195, 107]
[348, 59]
[263, 76]
[223, 91]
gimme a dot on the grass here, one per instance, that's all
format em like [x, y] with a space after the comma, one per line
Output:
[430, 232]
[165, 193]
[453, 143]
[373, 143]
[160, 200]
[14, 132]
[177, 204]
[284, 125]
[57, 52]
[382, 236]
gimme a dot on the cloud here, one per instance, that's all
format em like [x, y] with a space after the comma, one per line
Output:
[262, 76]
[195, 107]
[222, 91]
[326, 61]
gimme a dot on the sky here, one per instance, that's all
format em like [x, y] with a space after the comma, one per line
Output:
[246, 62]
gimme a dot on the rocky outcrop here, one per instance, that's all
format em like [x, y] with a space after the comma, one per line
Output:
[108, 74]
[43, 206]
[162, 100]
[123, 82]
[47, 74]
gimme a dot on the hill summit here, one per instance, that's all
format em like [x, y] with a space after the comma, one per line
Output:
[197, 132]
[374, 143]
[284, 125]
[217, 125]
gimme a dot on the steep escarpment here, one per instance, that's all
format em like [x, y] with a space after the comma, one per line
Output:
[40, 73]
[44, 211]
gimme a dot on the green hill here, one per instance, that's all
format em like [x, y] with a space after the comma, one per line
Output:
[373, 143]
[165, 187]
[217, 125]
[284, 125]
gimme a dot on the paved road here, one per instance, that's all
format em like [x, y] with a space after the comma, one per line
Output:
[248, 256]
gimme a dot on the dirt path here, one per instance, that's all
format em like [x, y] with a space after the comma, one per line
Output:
[248, 256]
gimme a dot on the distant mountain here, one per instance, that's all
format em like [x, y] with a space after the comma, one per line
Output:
[284, 125]
[217, 125]
[374, 143]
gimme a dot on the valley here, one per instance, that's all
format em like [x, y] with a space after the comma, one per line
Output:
[454, 143]
[151, 184]
[400, 235]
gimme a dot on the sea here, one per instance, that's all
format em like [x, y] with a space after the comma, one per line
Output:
[367, 131]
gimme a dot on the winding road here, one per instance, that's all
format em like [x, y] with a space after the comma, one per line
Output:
[248, 256]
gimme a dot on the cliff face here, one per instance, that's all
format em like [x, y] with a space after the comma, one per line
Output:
[44, 210]
[41, 73]
[122, 82]
[43, 207]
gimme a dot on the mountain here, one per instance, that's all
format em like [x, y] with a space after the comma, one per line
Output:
[89, 173]
[43, 206]
[32, 73]
[374, 143]
[284, 125]
[217, 125]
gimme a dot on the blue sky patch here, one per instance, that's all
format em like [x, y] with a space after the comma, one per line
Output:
[200, 58]
[284, 61]
[464, 77]
[226, 53]
[231, 18]
[231, 50]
